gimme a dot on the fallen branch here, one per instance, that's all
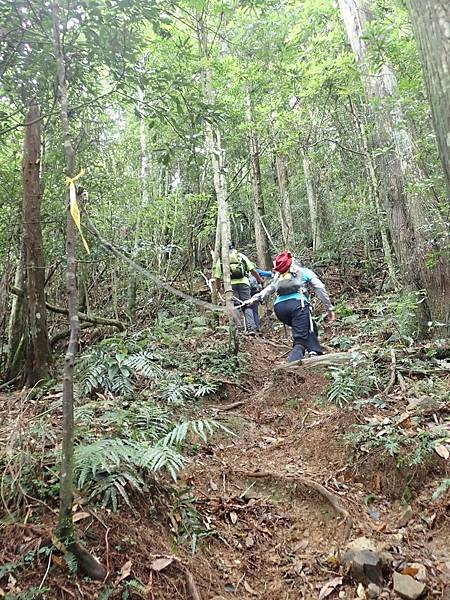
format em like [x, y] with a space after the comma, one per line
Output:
[82, 316]
[332, 498]
[230, 406]
[323, 360]
[63, 334]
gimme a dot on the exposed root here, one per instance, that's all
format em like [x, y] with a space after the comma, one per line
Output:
[333, 499]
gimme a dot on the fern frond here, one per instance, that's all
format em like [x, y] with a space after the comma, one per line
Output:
[202, 428]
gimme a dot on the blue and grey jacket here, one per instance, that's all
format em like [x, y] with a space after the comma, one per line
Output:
[297, 288]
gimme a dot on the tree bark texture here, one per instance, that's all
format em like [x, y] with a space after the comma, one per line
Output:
[38, 348]
[261, 240]
[422, 266]
[431, 23]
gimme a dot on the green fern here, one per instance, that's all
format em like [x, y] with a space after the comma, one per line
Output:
[351, 382]
[441, 489]
[201, 428]
[115, 372]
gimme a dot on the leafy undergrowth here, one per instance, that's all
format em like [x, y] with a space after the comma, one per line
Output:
[375, 432]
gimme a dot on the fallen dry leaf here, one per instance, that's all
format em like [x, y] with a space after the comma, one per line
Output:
[409, 571]
[442, 451]
[329, 587]
[161, 563]
[250, 590]
[233, 517]
[79, 516]
[249, 541]
[58, 560]
[125, 571]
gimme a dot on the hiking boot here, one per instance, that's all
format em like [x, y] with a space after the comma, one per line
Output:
[296, 353]
[310, 354]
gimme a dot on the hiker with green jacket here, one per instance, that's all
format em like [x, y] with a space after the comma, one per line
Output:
[240, 267]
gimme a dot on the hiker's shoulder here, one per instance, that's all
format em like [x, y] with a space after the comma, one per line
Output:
[307, 274]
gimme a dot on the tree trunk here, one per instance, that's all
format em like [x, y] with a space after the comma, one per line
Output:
[377, 201]
[66, 530]
[144, 177]
[287, 226]
[407, 207]
[431, 22]
[17, 322]
[65, 525]
[217, 158]
[38, 348]
[312, 202]
[261, 240]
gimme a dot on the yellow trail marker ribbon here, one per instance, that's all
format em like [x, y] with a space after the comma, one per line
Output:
[73, 205]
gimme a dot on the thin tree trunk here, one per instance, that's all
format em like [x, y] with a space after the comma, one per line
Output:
[261, 240]
[144, 177]
[287, 226]
[312, 202]
[65, 525]
[17, 322]
[407, 207]
[38, 348]
[431, 22]
[217, 157]
[66, 530]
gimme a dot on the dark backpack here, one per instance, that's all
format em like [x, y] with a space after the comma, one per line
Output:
[290, 283]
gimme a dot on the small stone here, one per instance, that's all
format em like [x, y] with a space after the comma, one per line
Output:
[405, 517]
[407, 587]
[386, 557]
[361, 592]
[373, 590]
[421, 574]
[362, 543]
[365, 566]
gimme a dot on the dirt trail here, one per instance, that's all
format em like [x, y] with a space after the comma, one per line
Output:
[274, 537]
[279, 539]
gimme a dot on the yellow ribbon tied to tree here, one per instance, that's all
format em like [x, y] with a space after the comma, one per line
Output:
[73, 205]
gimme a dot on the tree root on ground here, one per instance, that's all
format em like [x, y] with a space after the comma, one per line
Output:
[332, 498]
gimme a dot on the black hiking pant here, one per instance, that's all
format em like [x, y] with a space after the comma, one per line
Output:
[304, 329]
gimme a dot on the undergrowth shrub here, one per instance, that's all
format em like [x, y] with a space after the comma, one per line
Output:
[410, 446]
[353, 381]
[126, 438]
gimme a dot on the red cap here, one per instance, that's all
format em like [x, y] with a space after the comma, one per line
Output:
[283, 262]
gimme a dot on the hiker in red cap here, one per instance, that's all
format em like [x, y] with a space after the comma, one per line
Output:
[292, 305]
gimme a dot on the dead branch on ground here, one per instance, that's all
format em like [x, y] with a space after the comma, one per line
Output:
[323, 360]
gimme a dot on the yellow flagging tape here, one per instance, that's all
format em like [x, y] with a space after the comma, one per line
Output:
[73, 204]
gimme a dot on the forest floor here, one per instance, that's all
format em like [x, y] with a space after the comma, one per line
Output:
[267, 532]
